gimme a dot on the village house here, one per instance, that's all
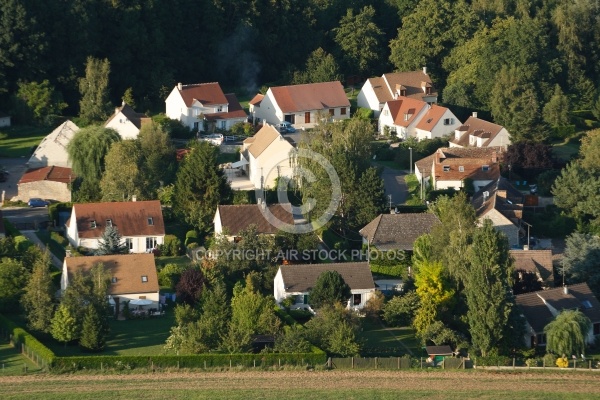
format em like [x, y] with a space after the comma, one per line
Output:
[477, 132]
[535, 262]
[52, 150]
[301, 105]
[412, 84]
[140, 224]
[51, 183]
[298, 280]
[204, 107]
[230, 221]
[132, 276]
[127, 122]
[397, 231]
[540, 308]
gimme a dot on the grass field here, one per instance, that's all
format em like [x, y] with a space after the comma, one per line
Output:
[380, 340]
[567, 149]
[354, 384]
[19, 141]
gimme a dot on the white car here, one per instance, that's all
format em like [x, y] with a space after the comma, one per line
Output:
[215, 138]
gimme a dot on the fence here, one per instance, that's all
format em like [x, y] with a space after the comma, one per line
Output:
[27, 351]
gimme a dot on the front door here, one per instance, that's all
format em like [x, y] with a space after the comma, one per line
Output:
[307, 117]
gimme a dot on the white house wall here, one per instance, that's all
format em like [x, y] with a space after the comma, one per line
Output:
[367, 99]
[176, 107]
[275, 162]
[217, 223]
[501, 139]
[269, 111]
[126, 128]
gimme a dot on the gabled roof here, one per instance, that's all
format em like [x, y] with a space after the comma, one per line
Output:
[205, 93]
[310, 96]
[53, 148]
[411, 80]
[263, 139]
[479, 128]
[302, 278]
[256, 99]
[234, 108]
[502, 196]
[130, 218]
[439, 350]
[136, 118]
[538, 315]
[128, 270]
[403, 107]
[51, 173]
[456, 153]
[431, 118]
[534, 261]
[398, 231]
[471, 159]
[235, 219]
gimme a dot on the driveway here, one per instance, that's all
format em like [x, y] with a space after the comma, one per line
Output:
[395, 186]
[15, 167]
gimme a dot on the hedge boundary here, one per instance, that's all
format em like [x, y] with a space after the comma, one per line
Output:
[20, 336]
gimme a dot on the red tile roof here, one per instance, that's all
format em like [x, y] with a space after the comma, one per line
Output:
[128, 270]
[235, 110]
[431, 118]
[130, 218]
[257, 99]
[263, 139]
[411, 81]
[405, 106]
[310, 96]
[205, 93]
[236, 218]
[51, 173]
[479, 128]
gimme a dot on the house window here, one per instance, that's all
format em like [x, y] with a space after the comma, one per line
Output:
[93, 224]
[402, 92]
[150, 243]
[461, 168]
[144, 278]
[129, 243]
[109, 222]
[331, 112]
[448, 121]
[307, 117]
[386, 112]
[406, 117]
[219, 108]
[223, 124]
[485, 168]
[446, 168]
[114, 279]
[356, 299]
[150, 221]
[343, 111]
[196, 125]
[541, 339]
[300, 299]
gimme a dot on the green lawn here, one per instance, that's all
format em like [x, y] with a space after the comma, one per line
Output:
[20, 141]
[54, 247]
[223, 158]
[414, 190]
[380, 340]
[12, 362]
[179, 260]
[567, 149]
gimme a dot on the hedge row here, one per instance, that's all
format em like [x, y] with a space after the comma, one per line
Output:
[317, 357]
[10, 228]
[20, 335]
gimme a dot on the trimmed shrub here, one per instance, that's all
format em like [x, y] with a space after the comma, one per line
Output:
[10, 229]
[191, 237]
[22, 243]
[171, 247]
[20, 335]
[60, 239]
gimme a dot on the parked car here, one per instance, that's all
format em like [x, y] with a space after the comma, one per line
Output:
[37, 202]
[285, 127]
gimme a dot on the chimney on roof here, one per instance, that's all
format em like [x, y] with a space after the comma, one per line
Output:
[179, 86]
[425, 70]
[134, 198]
[474, 114]
[122, 103]
[565, 289]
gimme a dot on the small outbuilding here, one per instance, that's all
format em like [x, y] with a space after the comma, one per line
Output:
[437, 354]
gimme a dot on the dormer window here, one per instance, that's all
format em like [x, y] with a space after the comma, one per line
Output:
[219, 108]
[461, 168]
[93, 224]
[108, 222]
[144, 278]
[150, 221]
[406, 116]
[446, 168]
[402, 92]
[485, 168]
[114, 279]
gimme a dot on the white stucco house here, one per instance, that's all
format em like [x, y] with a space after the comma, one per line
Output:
[140, 224]
[52, 150]
[301, 105]
[132, 276]
[476, 132]
[266, 157]
[437, 122]
[412, 84]
[204, 107]
[298, 280]
[127, 122]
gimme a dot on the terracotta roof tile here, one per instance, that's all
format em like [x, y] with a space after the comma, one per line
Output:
[302, 278]
[128, 270]
[431, 118]
[257, 99]
[51, 173]
[411, 80]
[235, 219]
[263, 139]
[310, 96]
[405, 106]
[398, 231]
[130, 218]
[234, 108]
[479, 128]
[205, 93]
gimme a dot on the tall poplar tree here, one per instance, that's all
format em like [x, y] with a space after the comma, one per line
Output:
[39, 295]
[95, 104]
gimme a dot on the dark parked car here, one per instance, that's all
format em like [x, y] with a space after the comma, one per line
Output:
[36, 202]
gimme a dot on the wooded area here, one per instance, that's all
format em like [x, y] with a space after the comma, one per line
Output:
[489, 55]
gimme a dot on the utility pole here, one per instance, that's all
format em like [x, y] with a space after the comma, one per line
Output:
[410, 149]
[390, 197]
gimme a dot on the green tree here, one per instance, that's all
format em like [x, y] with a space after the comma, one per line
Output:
[93, 336]
[40, 101]
[95, 104]
[329, 288]
[122, 176]
[158, 159]
[567, 333]
[401, 310]
[435, 294]
[128, 97]
[88, 149]
[200, 186]
[13, 278]
[334, 329]
[360, 38]
[368, 207]
[556, 111]
[111, 242]
[64, 327]
[487, 288]
[582, 258]
[320, 67]
[38, 299]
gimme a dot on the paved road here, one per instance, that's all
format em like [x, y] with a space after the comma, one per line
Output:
[26, 218]
[15, 167]
[394, 185]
